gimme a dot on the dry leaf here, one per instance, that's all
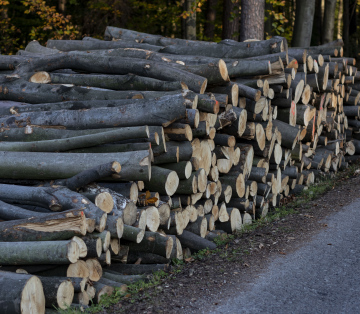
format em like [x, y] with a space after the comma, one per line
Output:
[261, 246]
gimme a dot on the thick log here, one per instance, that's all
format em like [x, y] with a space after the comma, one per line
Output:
[239, 68]
[28, 253]
[59, 292]
[20, 293]
[111, 65]
[61, 145]
[113, 82]
[238, 51]
[84, 45]
[153, 242]
[161, 112]
[135, 165]
[45, 227]
[195, 242]
[234, 223]
[129, 190]
[163, 180]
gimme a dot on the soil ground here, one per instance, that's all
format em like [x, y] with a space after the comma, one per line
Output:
[204, 283]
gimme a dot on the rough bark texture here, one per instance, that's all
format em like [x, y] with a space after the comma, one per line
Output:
[305, 10]
[231, 14]
[329, 21]
[252, 19]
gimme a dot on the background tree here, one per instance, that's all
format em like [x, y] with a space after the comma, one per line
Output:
[329, 21]
[304, 18]
[231, 15]
[252, 19]
[190, 7]
[209, 28]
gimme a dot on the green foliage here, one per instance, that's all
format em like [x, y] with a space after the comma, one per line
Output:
[279, 22]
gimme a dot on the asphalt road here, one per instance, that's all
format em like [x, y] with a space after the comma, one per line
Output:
[322, 276]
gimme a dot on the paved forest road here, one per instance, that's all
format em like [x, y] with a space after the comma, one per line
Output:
[322, 276]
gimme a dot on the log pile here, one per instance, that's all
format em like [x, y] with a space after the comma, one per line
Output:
[119, 155]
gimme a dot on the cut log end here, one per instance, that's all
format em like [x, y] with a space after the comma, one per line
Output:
[65, 294]
[223, 70]
[73, 252]
[203, 87]
[105, 202]
[172, 183]
[41, 77]
[32, 297]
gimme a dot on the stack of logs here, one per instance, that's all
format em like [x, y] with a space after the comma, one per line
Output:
[163, 143]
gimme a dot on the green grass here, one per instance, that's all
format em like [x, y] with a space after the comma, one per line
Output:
[233, 254]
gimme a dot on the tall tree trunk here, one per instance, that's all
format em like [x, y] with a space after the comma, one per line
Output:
[190, 21]
[346, 24]
[339, 19]
[230, 20]
[317, 31]
[329, 21]
[352, 29]
[209, 28]
[252, 19]
[304, 18]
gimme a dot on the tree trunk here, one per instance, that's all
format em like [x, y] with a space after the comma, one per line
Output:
[252, 19]
[20, 293]
[329, 21]
[305, 10]
[230, 29]
[209, 28]
[190, 7]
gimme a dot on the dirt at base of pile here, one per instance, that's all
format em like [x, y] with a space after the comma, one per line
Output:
[204, 284]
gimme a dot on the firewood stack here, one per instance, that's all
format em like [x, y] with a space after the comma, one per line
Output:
[163, 143]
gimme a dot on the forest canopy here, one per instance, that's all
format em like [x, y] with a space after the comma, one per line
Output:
[26, 20]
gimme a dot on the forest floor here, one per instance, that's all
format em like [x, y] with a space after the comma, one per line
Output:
[204, 281]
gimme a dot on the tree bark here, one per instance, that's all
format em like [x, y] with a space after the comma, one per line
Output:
[111, 65]
[190, 7]
[85, 45]
[19, 292]
[20, 253]
[71, 143]
[44, 227]
[135, 165]
[304, 17]
[209, 28]
[241, 50]
[162, 112]
[113, 82]
[230, 29]
[329, 21]
[252, 19]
